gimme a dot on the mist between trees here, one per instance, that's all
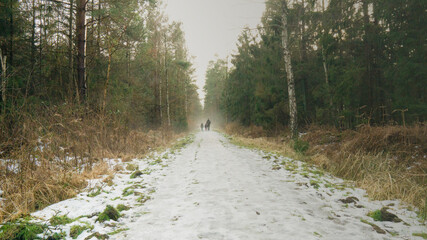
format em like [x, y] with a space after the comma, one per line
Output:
[354, 62]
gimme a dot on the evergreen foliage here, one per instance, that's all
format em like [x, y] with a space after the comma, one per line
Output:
[131, 50]
[355, 62]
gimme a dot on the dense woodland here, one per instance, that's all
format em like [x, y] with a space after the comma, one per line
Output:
[116, 58]
[82, 81]
[354, 62]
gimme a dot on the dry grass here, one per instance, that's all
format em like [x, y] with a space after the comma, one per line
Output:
[52, 154]
[388, 162]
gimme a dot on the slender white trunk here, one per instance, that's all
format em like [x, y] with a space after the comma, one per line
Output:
[325, 66]
[167, 83]
[289, 73]
[3, 79]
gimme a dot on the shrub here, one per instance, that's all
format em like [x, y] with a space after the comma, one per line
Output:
[110, 213]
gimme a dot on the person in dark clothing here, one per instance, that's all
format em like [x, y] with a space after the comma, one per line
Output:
[208, 124]
[201, 126]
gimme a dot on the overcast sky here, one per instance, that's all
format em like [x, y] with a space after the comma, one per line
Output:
[212, 27]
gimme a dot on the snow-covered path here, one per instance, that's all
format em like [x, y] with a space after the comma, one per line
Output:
[212, 189]
[215, 190]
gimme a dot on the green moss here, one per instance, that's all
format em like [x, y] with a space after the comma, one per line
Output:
[314, 184]
[118, 231]
[76, 230]
[423, 235]
[110, 213]
[95, 193]
[384, 215]
[122, 207]
[21, 230]
[376, 215]
[143, 199]
[157, 161]
[135, 174]
[127, 191]
[60, 220]
[147, 171]
[57, 236]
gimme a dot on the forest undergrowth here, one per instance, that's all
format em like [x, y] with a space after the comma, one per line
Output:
[389, 162]
[48, 155]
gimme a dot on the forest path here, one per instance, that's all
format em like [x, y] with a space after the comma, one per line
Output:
[215, 190]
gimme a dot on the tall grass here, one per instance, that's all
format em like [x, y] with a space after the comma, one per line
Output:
[388, 162]
[47, 157]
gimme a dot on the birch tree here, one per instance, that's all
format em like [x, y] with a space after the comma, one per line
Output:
[293, 123]
[3, 80]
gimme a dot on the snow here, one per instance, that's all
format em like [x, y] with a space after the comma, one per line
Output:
[215, 190]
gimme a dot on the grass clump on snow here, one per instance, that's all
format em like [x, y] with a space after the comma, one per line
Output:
[383, 215]
[122, 207]
[423, 235]
[136, 174]
[60, 220]
[95, 193]
[110, 213]
[21, 230]
[118, 231]
[76, 230]
[127, 191]
[132, 167]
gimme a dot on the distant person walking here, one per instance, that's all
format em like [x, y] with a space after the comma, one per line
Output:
[208, 125]
[201, 126]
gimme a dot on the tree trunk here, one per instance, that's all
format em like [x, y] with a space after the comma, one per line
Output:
[33, 39]
[12, 32]
[289, 73]
[167, 83]
[325, 65]
[71, 80]
[104, 100]
[3, 80]
[81, 39]
[369, 87]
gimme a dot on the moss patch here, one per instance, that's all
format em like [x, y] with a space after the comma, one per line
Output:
[110, 213]
[383, 215]
[76, 230]
[423, 235]
[60, 220]
[122, 207]
[135, 174]
[21, 230]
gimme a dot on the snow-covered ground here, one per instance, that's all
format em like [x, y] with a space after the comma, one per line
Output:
[212, 189]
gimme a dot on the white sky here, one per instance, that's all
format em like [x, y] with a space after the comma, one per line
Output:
[212, 27]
